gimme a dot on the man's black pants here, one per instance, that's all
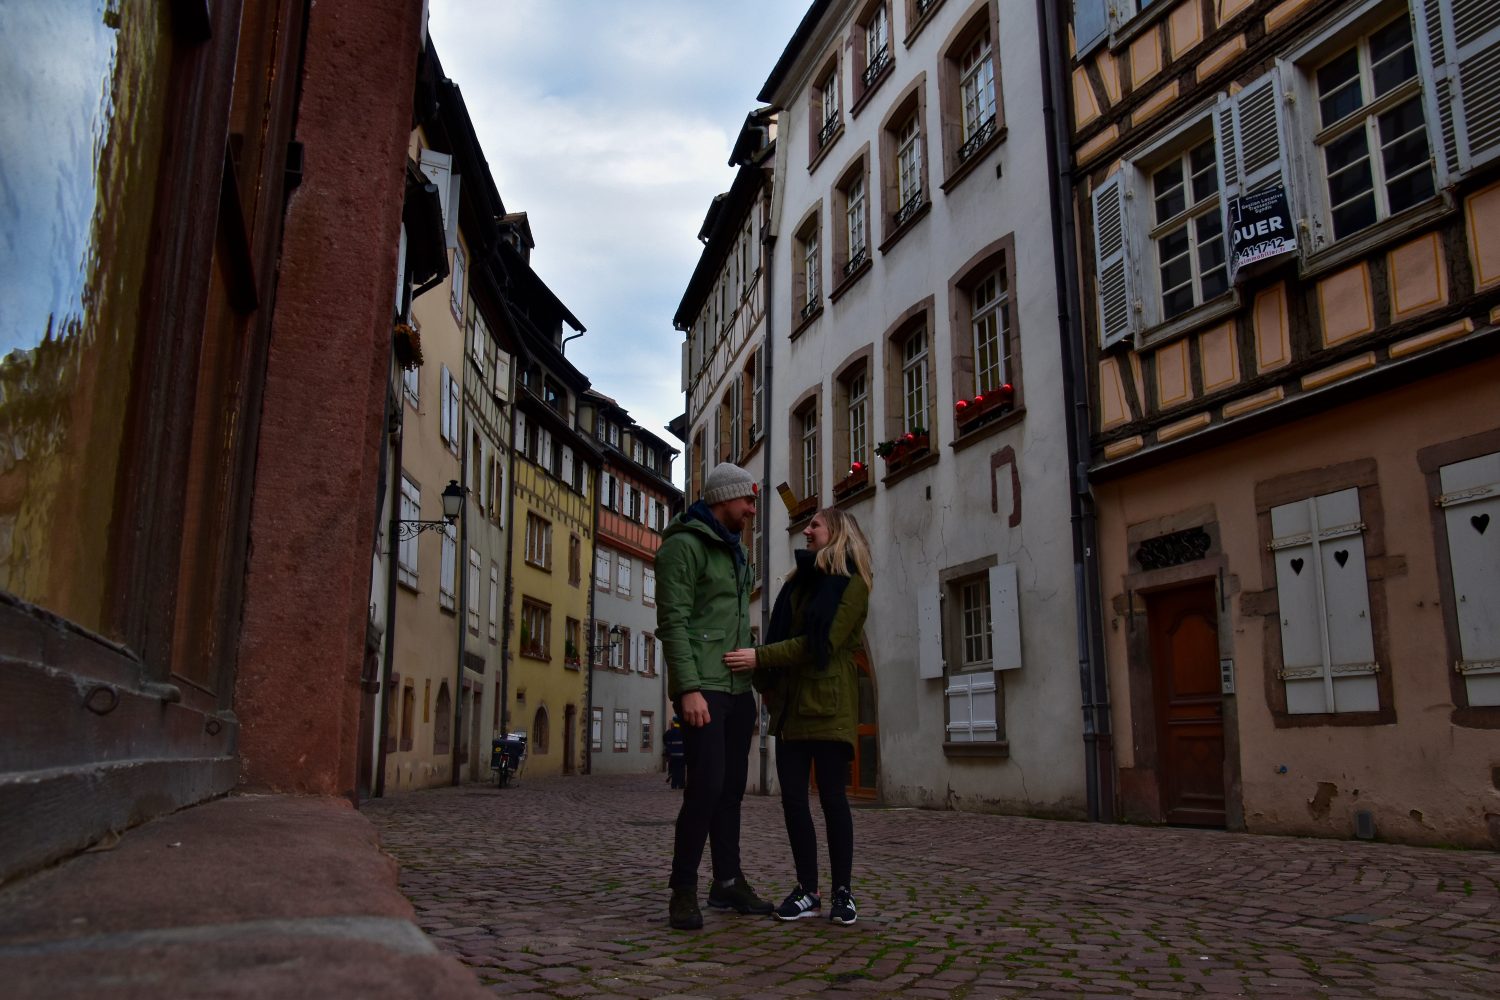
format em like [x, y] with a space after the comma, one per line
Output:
[718, 761]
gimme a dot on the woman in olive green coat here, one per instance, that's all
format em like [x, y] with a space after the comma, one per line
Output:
[811, 684]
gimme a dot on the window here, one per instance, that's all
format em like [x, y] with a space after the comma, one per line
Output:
[500, 384]
[856, 390]
[447, 579]
[875, 51]
[622, 576]
[479, 337]
[976, 641]
[411, 378]
[808, 281]
[1187, 230]
[904, 165]
[976, 94]
[406, 554]
[601, 654]
[648, 586]
[825, 102]
[735, 400]
[648, 654]
[538, 541]
[408, 714]
[536, 629]
[541, 731]
[1323, 596]
[472, 598]
[914, 385]
[989, 323]
[970, 638]
[622, 730]
[458, 287]
[572, 643]
[1471, 506]
[596, 729]
[648, 724]
[623, 651]
[494, 602]
[575, 560]
[1372, 132]
[807, 434]
[851, 223]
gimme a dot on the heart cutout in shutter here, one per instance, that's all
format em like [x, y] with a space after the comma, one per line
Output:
[1341, 557]
[1480, 522]
[1297, 566]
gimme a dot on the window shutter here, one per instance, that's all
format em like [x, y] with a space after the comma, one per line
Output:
[1005, 616]
[1116, 317]
[447, 405]
[567, 464]
[520, 441]
[1251, 144]
[1463, 48]
[1323, 594]
[438, 166]
[450, 215]
[1471, 508]
[399, 309]
[929, 633]
[455, 411]
[972, 715]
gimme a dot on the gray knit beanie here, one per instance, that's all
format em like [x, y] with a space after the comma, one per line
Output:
[726, 482]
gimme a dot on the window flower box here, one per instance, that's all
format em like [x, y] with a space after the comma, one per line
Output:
[904, 450]
[857, 479]
[406, 342]
[971, 413]
[806, 507]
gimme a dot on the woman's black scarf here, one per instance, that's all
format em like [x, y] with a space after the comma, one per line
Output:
[826, 592]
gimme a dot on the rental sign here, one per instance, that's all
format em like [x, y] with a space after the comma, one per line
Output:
[1260, 228]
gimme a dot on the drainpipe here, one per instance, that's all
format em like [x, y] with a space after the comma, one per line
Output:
[462, 607]
[1092, 672]
[588, 636]
[510, 550]
[768, 244]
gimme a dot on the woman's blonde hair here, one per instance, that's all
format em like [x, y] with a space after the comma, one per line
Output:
[846, 545]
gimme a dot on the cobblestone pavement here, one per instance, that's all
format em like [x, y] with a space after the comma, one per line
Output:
[557, 888]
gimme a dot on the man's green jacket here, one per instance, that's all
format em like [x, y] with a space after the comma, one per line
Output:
[702, 607]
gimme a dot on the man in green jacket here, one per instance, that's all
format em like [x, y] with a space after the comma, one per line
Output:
[702, 612]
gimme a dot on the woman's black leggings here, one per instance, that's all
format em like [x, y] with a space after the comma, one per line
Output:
[794, 762]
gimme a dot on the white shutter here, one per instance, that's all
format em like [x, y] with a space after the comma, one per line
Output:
[1328, 660]
[1463, 38]
[501, 386]
[455, 412]
[1471, 508]
[544, 448]
[929, 633]
[520, 442]
[1252, 145]
[1111, 269]
[972, 708]
[450, 214]
[1005, 616]
[438, 166]
[398, 309]
[494, 600]
[447, 405]
[567, 464]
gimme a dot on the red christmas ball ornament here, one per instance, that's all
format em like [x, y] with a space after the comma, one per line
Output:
[909, 436]
[961, 405]
[978, 399]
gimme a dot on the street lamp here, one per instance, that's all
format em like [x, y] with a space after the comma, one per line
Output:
[453, 504]
[598, 651]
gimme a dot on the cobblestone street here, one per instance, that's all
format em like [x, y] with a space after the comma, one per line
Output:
[557, 888]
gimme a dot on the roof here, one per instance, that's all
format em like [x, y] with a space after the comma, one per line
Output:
[793, 50]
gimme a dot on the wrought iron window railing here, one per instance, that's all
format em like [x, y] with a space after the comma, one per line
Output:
[878, 62]
[923, 6]
[813, 304]
[856, 258]
[829, 127]
[909, 207]
[982, 135]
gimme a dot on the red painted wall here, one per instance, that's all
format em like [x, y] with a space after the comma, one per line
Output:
[313, 521]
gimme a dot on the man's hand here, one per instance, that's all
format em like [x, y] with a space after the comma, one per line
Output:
[695, 709]
[740, 660]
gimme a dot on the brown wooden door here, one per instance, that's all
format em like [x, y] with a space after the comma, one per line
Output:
[1189, 704]
[864, 771]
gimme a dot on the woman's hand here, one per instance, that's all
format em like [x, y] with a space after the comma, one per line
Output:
[740, 660]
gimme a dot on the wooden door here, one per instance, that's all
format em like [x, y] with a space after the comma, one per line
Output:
[864, 770]
[1189, 703]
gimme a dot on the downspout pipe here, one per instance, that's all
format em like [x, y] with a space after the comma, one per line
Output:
[461, 569]
[392, 558]
[1092, 672]
[768, 245]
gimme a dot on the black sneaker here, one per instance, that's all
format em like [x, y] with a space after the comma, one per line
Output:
[738, 897]
[798, 904]
[842, 909]
[682, 912]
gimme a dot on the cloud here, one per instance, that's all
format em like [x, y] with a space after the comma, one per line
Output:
[610, 123]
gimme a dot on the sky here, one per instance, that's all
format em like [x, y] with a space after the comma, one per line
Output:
[609, 122]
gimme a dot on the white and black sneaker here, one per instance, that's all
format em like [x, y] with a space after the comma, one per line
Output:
[842, 910]
[798, 904]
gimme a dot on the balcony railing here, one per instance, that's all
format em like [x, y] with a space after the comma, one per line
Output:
[909, 207]
[825, 134]
[981, 135]
[878, 63]
[813, 304]
[856, 259]
[923, 6]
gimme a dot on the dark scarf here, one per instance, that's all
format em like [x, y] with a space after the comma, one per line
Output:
[825, 592]
[701, 511]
